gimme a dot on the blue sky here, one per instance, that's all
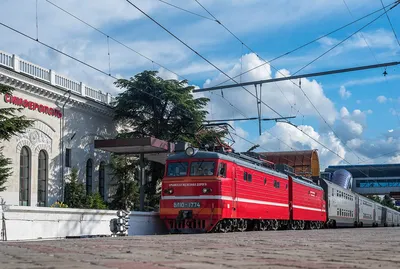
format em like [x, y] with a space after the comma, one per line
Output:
[361, 107]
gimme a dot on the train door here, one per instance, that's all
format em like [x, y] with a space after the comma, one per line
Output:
[234, 186]
[374, 213]
[384, 216]
[356, 210]
[290, 197]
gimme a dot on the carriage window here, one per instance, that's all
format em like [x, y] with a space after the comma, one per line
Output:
[249, 177]
[276, 184]
[178, 169]
[202, 168]
[222, 170]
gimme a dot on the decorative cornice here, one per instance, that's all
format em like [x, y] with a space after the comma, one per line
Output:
[37, 87]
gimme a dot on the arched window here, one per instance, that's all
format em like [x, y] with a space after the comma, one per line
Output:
[42, 178]
[102, 179]
[89, 173]
[24, 177]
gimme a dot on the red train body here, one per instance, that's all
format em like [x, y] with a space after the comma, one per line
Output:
[210, 191]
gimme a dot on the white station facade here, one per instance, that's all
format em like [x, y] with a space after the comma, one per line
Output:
[68, 116]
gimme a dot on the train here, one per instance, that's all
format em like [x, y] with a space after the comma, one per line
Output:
[217, 191]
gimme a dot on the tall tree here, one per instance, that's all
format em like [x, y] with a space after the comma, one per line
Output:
[126, 190]
[171, 113]
[10, 125]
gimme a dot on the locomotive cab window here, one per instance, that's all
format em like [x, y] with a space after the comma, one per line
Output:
[222, 170]
[245, 176]
[177, 169]
[202, 168]
[277, 184]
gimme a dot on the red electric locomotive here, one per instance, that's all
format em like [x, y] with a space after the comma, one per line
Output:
[205, 191]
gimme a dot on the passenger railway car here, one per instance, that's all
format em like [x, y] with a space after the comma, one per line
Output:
[341, 209]
[206, 191]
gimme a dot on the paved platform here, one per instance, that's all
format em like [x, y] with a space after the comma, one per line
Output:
[340, 248]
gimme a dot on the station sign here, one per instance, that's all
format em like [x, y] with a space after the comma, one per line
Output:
[23, 102]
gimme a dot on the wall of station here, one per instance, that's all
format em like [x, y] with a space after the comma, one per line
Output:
[33, 223]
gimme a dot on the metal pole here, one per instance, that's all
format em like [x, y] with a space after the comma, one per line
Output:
[324, 73]
[62, 146]
[141, 181]
[254, 118]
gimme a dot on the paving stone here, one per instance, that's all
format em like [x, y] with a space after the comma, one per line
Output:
[336, 248]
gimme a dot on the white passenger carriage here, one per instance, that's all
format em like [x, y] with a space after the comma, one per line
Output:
[379, 216]
[366, 211]
[341, 205]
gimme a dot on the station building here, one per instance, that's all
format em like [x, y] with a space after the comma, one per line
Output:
[371, 179]
[68, 116]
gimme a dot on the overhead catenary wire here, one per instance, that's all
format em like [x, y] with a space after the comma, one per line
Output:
[115, 40]
[201, 56]
[97, 69]
[144, 13]
[188, 11]
[306, 44]
[241, 41]
[320, 56]
[244, 44]
[338, 44]
[390, 22]
[104, 73]
[76, 59]
[361, 34]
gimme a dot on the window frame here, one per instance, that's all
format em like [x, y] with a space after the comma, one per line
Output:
[68, 157]
[102, 179]
[27, 166]
[222, 165]
[89, 177]
[44, 171]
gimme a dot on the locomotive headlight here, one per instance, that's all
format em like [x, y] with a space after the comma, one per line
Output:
[168, 191]
[190, 151]
[206, 190]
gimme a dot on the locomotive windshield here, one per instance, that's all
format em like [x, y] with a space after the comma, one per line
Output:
[197, 168]
[202, 168]
[178, 169]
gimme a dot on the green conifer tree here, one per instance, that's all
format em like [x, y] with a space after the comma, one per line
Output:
[10, 125]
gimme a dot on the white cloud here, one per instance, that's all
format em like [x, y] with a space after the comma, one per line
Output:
[371, 80]
[394, 159]
[378, 39]
[284, 97]
[352, 125]
[128, 25]
[344, 93]
[294, 138]
[381, 99]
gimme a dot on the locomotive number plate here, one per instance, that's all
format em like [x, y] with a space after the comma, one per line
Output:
[186, 204]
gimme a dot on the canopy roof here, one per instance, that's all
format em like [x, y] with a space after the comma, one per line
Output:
[134, 145]
[304, 162]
